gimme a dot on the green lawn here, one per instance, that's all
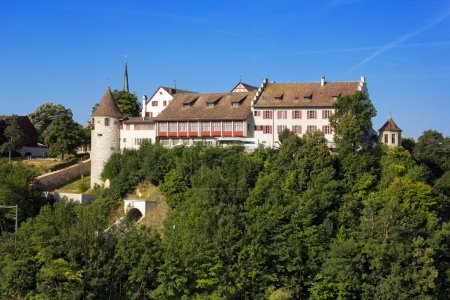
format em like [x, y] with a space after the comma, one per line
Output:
[42, 166]
[77, 186]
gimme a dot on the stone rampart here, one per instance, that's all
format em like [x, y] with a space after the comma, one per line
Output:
[53, 179]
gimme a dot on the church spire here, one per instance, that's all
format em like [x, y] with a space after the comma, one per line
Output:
[125, 78]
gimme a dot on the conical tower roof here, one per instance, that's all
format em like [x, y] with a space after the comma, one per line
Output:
[390, 125]
[108, 106]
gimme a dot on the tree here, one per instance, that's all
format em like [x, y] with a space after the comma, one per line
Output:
[352, 120]
[63, 136]
[43, 116]
[433, 149]
[14, 136]
[408, 144]
[127, 102]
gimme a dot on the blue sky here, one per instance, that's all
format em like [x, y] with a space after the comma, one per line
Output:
[67, 51]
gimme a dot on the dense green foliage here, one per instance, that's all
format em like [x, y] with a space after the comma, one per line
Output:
[43, 116]
[127, 102]
[17, 188]
[14, 136]
[293, 223]
[63, 136]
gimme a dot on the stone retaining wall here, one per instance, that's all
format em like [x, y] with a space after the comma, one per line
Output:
[57, 178]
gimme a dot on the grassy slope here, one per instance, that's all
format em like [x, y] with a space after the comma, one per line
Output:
[74, 186]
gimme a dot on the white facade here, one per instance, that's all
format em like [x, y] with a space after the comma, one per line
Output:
[132, 134]
[157, 102]
[105, 140]
[270, 122]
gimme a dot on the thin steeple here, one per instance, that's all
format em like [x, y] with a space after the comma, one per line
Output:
[125, 78]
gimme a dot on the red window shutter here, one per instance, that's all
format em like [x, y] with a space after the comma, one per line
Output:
[271, 115]
[278, 128]
[293, 114]
[278, 114]
[300, 129]
[323, 128]
[323, 114]
[307, 114]
[300, 114]
[270, 129]
[285, 114]
[259, 113]
[315, 128]
[264, 114]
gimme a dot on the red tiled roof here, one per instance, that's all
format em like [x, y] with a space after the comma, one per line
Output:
[298, 94]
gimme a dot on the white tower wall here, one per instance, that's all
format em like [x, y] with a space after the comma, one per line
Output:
[105, 140]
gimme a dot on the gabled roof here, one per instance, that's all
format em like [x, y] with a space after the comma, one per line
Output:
[174, 91]
[304, 94]
[170, 90]
[108, 106]
[390, 126]
[182, 107]
[248, 87]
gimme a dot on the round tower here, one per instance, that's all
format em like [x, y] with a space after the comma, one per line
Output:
[105, 135]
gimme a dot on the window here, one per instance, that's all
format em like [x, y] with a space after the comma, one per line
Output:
[311, 128]
[154, 103]
[106, 121]
[164, 103]
[182, 126]
[127, 127]
[193, 126]
[173, 127]
[311, 114]
[386, 138]
[206, 126]
[296, 114]
[93, 124]
[326, 129]
[165, 143]
[124, 140]
[267, 114]
[267, 129]
[255, 113]
[238, 126]
[227, 126]
[139, 141]
[281, 128]
[160, 93]
[326, 114]
[282, 114]
[216, 126]
[393, 138]
[163, 127]
[297, 129]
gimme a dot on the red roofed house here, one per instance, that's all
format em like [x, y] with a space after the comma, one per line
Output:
[31, 147]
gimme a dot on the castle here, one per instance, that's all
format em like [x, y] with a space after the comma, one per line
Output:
[247, 115]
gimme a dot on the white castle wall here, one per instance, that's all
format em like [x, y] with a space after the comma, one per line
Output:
[105, 140]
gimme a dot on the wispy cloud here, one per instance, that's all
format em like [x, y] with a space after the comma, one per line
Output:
[399, 41]
[355, 49]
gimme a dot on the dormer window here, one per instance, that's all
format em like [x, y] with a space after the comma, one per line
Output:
[213, 101]
[308, 96]
[189, 101]
[278, 96]
[335, 96]
[238, 101]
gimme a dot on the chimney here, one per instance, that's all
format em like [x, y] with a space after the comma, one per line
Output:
[322, 81]
[144, 105]
[363, 79]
